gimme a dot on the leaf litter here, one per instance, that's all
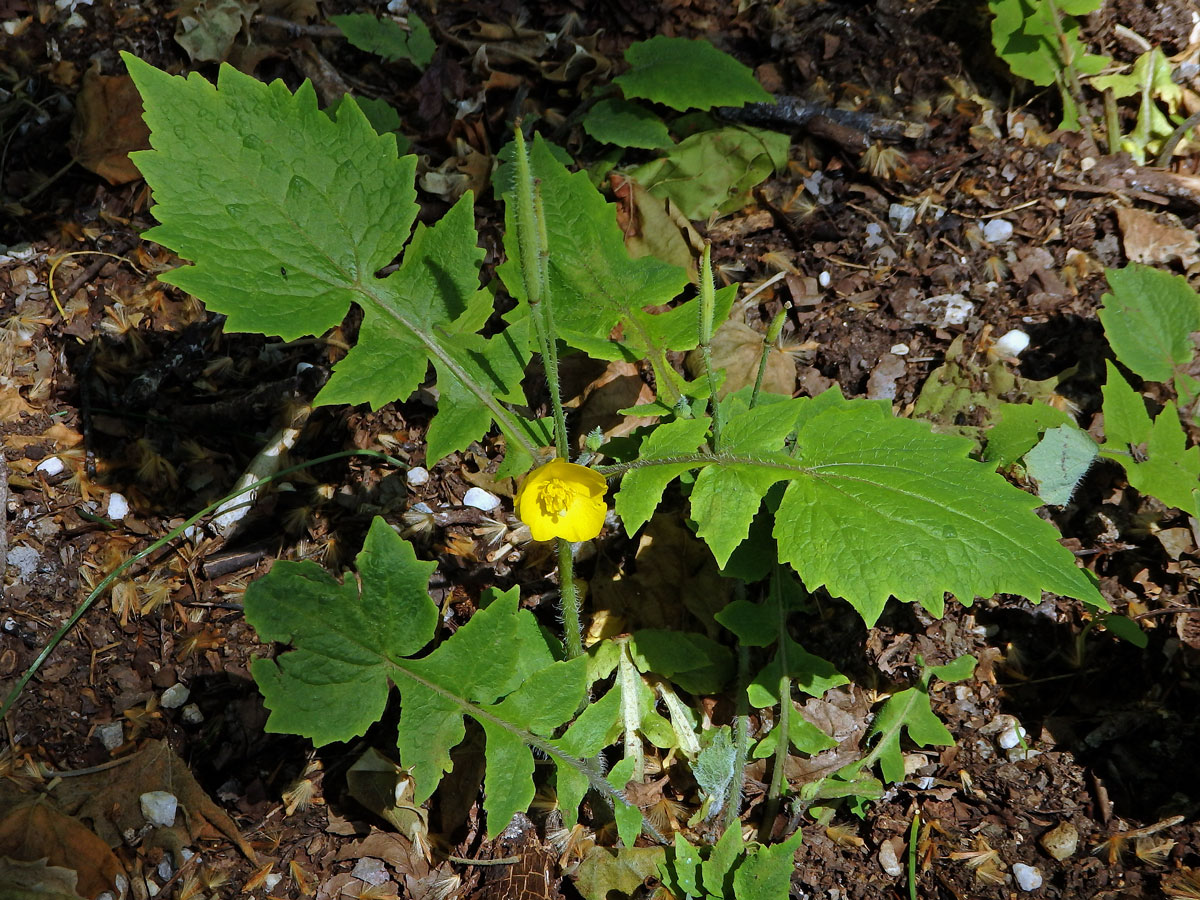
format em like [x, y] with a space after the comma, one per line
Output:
[979, 796]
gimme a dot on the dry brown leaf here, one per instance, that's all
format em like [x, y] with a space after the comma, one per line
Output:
[654, 227]
[737, 348]
[618, 387]
[1157, 238]
[110, 799]
[36, 830]
[108, 125]
[37, 879]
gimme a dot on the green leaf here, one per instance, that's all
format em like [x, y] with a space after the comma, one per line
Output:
[688, 74]
[629, 817]
[716, 872]
[696, 663]
[959, 669]
[385, 37]
[381, 114]
[288, 215]
[682, 867]
[1171, 471]
[1126, 421]
[1059, 462]
[594, 285]
[714, 171]
[715, 768]
[1018, 428]
[1127, 630]
[1148, 318]
[334, 685]
[626, 125]
[351, 641]
[803, 735]
[906, 711]
[766, 872]
[877, 506]
[642, 488]
[809, 672]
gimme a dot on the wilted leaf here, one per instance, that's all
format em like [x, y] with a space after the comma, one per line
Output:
[206, 29]
[37, 830]
[108, 125]
[109, 799]
[37, 880]
[606, 872]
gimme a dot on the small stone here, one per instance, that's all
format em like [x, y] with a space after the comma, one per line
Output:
[165, 869]
[900, 217]
[1028, 877]
[118, 506]
[271, 880]
[111, 736]
[997, 230]
[191, 714]
[899, 350]
[50, 466]
[174, 696]
[371, 871]
[159, 808]
[417, 476]
[1012, 735]
[481, 499]
[888, 861]
[823, 279]
[956, 309]
[1061, 841]
[26, 559]
[1012, 344]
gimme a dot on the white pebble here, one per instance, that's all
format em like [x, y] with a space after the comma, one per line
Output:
[192, 715]
[1011, 736]
[174, 696]
[899, 350]
[823, 279]
[165, 869]
[118, 506]
[481, 499]
[50, 466]
[900, 217]
[1012, 344]
[271, 880]
[159, 808]
[417, 475]
[874, 235]
[1028, 877]
[997, 230]
[111, 736]
[956, 308]
[888, 861]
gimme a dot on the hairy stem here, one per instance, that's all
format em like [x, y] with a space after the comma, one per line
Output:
[708, 292]
[569, 599]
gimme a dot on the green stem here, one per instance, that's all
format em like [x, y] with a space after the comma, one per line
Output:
[99, 589]
[569, 599]
[708, 294]
[548, 335]
[769, 339]
[913, 836]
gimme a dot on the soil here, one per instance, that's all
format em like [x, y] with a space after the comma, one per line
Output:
[139, 391]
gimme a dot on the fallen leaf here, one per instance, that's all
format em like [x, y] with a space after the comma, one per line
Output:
[108, 125]
[1152, 238]
[36, 830]
[655, 227]
[36, 880]
[737, 348]
[206, 29]
[619, 386]
[110, 799]
[606, 872]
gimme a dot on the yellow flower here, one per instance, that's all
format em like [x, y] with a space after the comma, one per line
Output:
[562, 499]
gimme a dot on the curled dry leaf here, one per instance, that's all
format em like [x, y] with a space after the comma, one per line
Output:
[737, 348]
[36, 830]
[108, 125]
